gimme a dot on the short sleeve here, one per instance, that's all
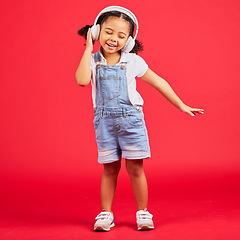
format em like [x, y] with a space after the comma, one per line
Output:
[141, 66]
[92, 64]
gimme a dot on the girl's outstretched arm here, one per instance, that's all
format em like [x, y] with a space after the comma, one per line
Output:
[165, 89]
[83, 73]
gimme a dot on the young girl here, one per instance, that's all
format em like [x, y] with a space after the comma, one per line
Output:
[119, 123]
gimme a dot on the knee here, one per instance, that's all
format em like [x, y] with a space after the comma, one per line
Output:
[134, 169]
[112, 169]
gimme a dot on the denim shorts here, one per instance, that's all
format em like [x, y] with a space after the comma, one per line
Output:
[121, 132]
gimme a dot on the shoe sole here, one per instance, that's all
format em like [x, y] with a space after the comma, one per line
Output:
[145, 227]
[102, 229]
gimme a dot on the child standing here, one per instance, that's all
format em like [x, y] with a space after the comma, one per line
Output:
[118, 118]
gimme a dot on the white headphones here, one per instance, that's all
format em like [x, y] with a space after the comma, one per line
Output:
[95, 29]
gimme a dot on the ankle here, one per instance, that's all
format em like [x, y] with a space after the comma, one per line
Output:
[142, 209]
[107, 210]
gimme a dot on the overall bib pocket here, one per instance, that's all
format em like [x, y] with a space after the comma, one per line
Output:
[110, 87]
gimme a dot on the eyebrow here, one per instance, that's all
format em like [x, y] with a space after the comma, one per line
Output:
[113, 30]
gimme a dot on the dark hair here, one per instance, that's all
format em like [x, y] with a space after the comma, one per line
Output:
[138, 47]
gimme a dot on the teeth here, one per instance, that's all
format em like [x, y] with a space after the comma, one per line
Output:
[110, 45]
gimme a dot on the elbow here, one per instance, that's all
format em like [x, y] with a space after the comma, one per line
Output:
[83, 78]
[82, 85]
[81, 82]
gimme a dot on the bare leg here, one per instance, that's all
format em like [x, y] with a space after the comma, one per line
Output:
[108, 184]
[138, 181]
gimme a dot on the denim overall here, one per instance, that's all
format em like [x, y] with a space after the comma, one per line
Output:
[120, 128]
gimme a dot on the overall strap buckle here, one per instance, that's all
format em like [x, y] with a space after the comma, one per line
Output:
[123, 65]
[101, 113]
[124, 112]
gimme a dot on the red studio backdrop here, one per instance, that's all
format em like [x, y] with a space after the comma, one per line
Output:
[47, 141]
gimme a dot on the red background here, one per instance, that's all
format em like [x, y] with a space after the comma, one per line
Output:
[47, 144]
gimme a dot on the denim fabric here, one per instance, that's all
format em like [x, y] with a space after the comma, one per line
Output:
[120, 127]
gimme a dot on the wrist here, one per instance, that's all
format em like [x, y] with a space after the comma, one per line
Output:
[88, 50]
[181, 106]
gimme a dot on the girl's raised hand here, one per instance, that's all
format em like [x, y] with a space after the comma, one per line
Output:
[89, 42]
[191, 111]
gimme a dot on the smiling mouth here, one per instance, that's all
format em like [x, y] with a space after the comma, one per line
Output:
[110, 45]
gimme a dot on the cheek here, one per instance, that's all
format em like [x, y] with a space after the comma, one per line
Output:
[102, 40]
[123, 41]
[101, 37]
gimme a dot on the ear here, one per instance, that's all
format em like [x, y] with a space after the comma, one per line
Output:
[95, 29]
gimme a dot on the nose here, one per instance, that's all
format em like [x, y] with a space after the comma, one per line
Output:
[113, 38]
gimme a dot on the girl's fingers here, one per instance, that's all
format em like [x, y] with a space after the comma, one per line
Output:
[192, 114]
[199, 111]
[88, 33]
[193, 111]
[89, 42]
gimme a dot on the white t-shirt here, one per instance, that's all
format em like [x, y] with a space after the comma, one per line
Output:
[136, 67]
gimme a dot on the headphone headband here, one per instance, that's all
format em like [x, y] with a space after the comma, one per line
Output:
[120, 9]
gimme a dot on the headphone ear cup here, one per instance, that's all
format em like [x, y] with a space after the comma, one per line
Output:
[129, 45]
[95, 29]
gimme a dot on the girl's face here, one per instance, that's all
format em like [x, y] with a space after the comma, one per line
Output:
[114, 34]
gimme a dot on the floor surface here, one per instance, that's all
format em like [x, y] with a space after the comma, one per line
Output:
[44, 211]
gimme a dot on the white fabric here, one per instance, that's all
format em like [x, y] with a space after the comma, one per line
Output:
[104, 221]
[136, 67]
[144, 220]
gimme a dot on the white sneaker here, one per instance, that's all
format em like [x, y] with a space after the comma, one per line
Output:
[104, 222]
[144, 220]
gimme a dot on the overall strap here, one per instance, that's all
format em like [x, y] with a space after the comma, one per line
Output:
[97, 57]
